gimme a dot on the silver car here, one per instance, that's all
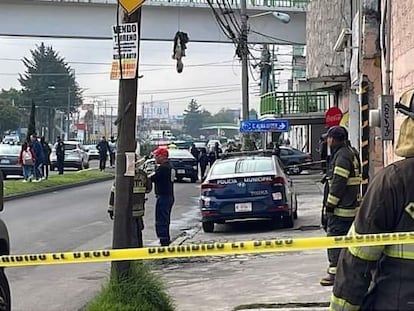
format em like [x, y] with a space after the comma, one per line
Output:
[75, 156]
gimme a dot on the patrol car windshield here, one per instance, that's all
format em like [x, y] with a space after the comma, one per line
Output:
[240, 166]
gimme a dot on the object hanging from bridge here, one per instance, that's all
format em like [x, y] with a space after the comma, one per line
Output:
[180, 45]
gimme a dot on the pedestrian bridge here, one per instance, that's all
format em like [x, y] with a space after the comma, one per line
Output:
[161, 19]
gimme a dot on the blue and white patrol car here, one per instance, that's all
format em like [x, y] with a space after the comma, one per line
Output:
[247, 185]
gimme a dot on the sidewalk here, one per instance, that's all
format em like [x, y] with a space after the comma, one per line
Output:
[274, 281]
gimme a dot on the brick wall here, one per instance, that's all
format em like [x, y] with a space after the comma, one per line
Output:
[324, 21]
[402, 57]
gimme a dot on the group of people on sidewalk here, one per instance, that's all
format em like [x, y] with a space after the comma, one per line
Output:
[104, 148]
[205, 159]
[369, 277]
[34, 158]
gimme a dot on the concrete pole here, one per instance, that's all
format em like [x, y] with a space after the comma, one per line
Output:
[67, 123]
[245, 63]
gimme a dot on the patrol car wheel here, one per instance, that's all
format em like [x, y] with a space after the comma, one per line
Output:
[288, 221]
[208, 226]
[5, 303]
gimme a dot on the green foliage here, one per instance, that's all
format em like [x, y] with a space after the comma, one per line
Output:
[50, 83]
[193, 119]
[9, 116]
[141, 291]
[223, 116]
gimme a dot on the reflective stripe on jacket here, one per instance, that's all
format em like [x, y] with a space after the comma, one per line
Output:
[344, 181]
[387, 271]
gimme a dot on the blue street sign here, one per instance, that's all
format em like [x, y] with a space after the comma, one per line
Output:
[264, 126]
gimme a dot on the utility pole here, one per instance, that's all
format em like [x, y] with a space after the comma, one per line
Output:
[124, 226]
[244, 59]
[67, 123]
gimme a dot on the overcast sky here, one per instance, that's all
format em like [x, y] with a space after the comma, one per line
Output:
[211, 75]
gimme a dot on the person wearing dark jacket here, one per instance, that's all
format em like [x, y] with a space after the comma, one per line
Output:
[38, 151]
[203, 160]
[46, 160]
[381, 277]
[103, 148]
[163, 179]
[60, 154]
[342, 196]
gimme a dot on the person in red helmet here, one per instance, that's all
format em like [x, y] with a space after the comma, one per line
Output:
[163, 179]
[342, 195]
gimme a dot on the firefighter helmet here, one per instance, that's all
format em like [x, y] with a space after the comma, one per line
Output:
[406, 103]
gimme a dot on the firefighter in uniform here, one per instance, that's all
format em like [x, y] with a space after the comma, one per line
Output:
[342, 196]
[142, 185]
[381, 277]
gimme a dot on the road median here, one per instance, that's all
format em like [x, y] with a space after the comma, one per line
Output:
[16, 189]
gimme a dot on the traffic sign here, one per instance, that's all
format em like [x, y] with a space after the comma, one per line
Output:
[264, 126]
[333, 116]
[131, 5]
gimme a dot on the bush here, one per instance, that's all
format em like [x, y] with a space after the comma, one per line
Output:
[142, 291]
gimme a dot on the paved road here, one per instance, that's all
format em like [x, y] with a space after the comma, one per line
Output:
[223, 283]
[68, 220]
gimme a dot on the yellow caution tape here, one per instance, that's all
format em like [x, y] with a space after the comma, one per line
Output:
[213, 249]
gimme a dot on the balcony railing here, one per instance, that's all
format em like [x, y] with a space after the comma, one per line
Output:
[276, 103]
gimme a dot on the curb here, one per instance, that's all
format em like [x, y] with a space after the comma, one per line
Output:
[57, 188]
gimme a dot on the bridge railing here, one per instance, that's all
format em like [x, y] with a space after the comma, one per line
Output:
[295, 102]
[291, 4]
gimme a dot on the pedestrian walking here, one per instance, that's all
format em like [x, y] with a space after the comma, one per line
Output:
[46, 161]
[103, 148]
[112, 151]
[381, 277]
[27, 160]
[60, 154]
[163, 179]
[39, 157]
[203, 160]
[342, 197]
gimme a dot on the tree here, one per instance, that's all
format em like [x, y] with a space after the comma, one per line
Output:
[31, 128]
[50, 82]
[9, 116]
[193, 119]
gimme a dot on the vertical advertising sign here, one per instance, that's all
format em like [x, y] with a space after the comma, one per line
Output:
[125, 51]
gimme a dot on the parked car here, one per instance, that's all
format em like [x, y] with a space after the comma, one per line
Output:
[200, 145]
[291, 156]
[182, 161]
[93, 153]
[11, 139]
[75, 156]
[247, 186]
[9, 155]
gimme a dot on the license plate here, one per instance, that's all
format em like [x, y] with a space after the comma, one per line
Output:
[180, 171]
[5, 161]
[243, 207]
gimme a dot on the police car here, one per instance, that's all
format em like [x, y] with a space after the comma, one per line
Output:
[247, 185]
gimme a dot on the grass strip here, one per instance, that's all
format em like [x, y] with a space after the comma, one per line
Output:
[15, 187]
[142, 291]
